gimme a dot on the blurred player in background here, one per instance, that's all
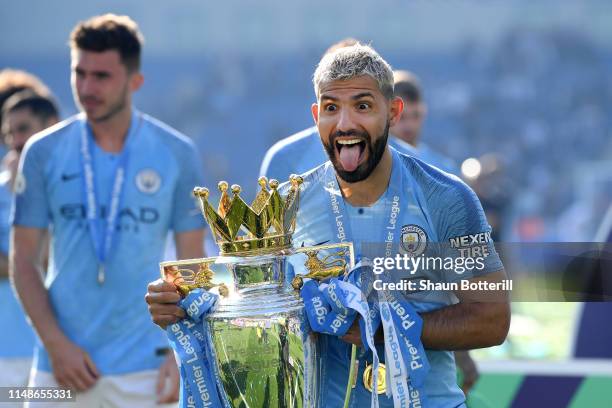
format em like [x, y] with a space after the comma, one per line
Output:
[23, 114]
[593, 337]
[13, 81]
[108, 184]
[407, 131]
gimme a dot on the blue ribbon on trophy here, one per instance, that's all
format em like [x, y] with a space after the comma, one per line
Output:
[407, 364]
[191, 341]
[331, 309]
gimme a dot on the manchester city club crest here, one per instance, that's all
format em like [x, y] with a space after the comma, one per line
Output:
[414, 240]
[148, 181]
[20, 183]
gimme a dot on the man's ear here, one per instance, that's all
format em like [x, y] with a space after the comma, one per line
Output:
[315, 112]
[50, 121]
[136, 81]
[396, 107]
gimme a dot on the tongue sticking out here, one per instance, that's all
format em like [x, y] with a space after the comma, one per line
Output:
[349, 157]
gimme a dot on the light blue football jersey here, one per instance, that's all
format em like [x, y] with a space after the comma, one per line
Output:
[426, 154]
[295, 154]
[110, 320]
[17, 340]
[441, 208]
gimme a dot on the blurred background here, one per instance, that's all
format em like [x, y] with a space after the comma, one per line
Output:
[525, 84]
[519, 94]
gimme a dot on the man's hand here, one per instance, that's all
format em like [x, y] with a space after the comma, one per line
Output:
[162, 298]
[353, 335]
[168, 381]
[72, 366]
[468, 368]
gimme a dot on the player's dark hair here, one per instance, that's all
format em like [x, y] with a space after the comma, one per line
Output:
[110, 32]
[43, 107]
[407, 86]
[15, 80]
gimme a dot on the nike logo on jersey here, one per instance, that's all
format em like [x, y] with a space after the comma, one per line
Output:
[68, 177]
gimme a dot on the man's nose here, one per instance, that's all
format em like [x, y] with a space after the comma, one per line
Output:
[86, 86]
[346, 120]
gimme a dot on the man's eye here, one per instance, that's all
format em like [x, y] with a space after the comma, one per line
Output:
[363, 106]
[330, 108]
[22, 128]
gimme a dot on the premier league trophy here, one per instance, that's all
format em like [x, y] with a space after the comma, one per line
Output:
[262, 352]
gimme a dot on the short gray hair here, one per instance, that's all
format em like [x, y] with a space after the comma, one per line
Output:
[354, 61]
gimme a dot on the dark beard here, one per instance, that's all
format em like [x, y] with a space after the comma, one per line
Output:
[114, 110]
[376, 152]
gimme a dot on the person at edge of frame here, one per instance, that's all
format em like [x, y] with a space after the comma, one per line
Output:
[107, 184]
[23, 114]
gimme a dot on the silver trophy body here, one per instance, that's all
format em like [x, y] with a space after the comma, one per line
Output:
[264, 354]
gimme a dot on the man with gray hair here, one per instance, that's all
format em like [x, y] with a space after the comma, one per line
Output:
[302, 151]
[370, 194]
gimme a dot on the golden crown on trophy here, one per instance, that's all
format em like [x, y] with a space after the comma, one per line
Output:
[264, 226]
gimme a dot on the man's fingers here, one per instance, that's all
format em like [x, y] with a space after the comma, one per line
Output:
[468, 383]
[169, 390]
[174, 390]
[76, 382]
[63, 382]
[172, 393]
[166, 309]
[161, 380]
[91, 366]
[162, 297]
[86, 377]
[161, 286]
[353, 335]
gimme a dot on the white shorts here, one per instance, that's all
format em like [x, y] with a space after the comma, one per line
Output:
[14, 372]
[113, 391]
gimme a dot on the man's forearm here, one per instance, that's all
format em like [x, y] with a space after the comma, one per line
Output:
[35, 300]
[466, 326]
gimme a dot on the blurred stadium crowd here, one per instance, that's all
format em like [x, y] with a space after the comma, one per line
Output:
[532, 106]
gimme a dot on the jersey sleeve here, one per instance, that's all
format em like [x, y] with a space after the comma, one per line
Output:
[275, 166]
[264, 170]
[5, 210]
[465, 234]
[186, 215]
[31, 206]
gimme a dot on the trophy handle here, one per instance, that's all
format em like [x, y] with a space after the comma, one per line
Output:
[330, 266]
[324, 268]
[186, 279]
